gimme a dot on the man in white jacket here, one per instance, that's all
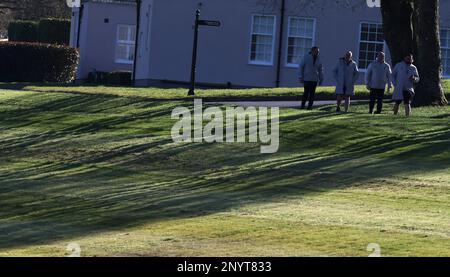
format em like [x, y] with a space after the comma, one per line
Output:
[346, 74]
[311, 75]
[405, 75]
[377, 77]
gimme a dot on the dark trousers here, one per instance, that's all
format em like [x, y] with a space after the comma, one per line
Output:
[309, 94]
[376, 95]
[407, 97]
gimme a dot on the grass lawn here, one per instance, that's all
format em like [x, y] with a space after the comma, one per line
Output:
[323, 93]
[103, 172]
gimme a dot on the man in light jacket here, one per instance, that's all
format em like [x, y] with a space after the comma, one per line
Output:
[377, 77]
[405, 75]
[311, 75]
[346, 74]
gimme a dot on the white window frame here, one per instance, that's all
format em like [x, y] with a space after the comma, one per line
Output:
[359, 42]
[444, 75]
[296, 65]
[271, 63]
[124, 42]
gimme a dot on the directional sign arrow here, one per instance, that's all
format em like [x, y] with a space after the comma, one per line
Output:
[211, 23]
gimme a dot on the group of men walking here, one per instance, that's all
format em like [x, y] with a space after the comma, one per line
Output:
[346, 74]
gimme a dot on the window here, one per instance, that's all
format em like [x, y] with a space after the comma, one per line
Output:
[445, 44]
[300, 38]
[262, 39]
[126, 35]
[371, 42]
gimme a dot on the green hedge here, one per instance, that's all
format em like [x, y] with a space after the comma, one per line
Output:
[50, 30]
[116, 78]
[35, 62]
[54, 31]
[119, 78]
[26, 31]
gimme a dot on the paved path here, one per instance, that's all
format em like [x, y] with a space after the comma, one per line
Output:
[280, 104]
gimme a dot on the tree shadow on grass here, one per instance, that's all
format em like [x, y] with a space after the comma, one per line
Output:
[121, 187]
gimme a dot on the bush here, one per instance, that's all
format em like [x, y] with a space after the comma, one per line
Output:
[116, 78]
[26, 31]
[54, 31]
[98, 77]
[119, 78]
[35, 62]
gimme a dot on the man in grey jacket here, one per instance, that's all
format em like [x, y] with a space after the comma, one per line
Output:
[377, 77]
[311, 75]
[405, 76]
[346, 74]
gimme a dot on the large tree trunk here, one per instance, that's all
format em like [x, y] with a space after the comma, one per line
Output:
[398, 27]
[412, 26]
[428, 55]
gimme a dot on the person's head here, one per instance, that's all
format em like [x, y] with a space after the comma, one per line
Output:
[315, 51]
[381, 57]
[348, 56]
[409, 59]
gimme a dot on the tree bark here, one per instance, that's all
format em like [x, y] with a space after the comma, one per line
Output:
[412, 26]
[428, 54]
[398, 27]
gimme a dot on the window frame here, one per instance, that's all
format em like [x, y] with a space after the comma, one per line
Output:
[367, 41]
[274, 34]
[129, 43]
[444, 74]
[296, 65]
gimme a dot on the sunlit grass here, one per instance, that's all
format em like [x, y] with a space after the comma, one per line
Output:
[103, 172]
[323, 93]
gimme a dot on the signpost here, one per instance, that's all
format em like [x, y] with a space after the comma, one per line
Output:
[198, 22]
[209, 23]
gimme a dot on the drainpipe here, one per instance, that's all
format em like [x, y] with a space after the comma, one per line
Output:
[280, 42]
[136, 43]
[77, 43]
[80, 15]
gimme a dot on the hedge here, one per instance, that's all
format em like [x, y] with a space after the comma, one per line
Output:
[116, 78]
[55, 31]
[26, 31]
[36, 62]
[120, 78]
[50, 30]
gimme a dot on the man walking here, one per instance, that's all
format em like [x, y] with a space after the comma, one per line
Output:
[405, 75]
[377, 77]
[311, 75]
[346, 74]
